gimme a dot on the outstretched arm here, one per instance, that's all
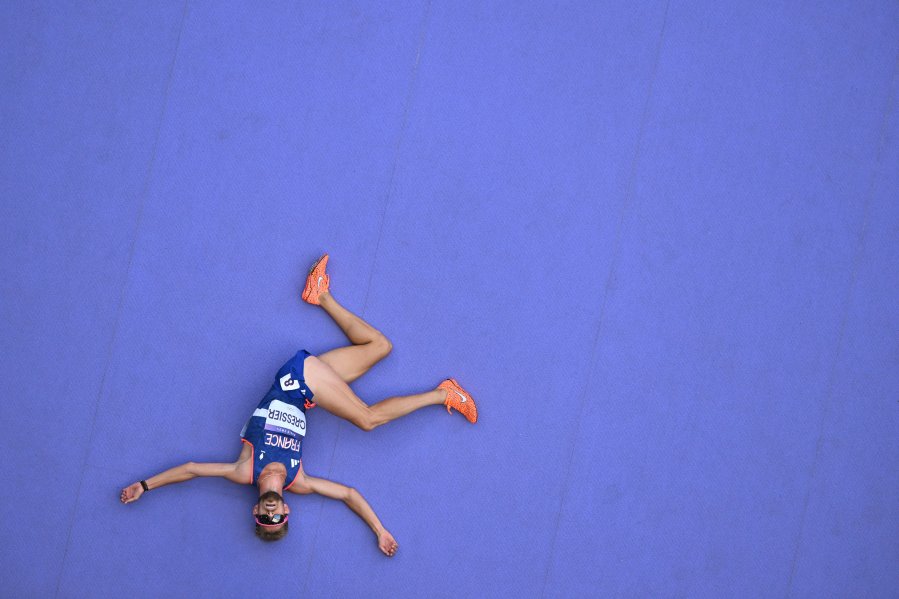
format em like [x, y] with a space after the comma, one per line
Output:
[180, 474]
[354, 500]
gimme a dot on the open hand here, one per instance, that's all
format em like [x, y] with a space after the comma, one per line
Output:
[131, 493]
[387, 543]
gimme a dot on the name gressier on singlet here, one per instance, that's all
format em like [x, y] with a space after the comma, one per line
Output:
[283, 417]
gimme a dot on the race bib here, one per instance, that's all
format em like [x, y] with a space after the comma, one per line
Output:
[288, 383]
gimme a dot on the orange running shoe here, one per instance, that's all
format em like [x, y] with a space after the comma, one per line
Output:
[317, 282]
[459, 399]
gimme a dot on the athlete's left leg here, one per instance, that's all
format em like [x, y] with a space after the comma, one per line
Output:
[370, 345]
[334, 395]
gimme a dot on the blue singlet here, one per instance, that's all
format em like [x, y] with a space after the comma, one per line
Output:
[276, 429]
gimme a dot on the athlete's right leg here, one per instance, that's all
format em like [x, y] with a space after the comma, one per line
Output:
[334, 395]
[370, 345]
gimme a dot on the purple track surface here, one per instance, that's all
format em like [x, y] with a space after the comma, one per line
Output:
[658, 241]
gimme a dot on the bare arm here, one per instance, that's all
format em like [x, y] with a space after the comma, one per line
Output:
[354, 500]
[180, 474]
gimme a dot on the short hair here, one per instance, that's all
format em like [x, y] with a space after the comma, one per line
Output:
[267, 534]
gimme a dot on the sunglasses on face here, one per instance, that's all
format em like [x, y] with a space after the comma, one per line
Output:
[273, 520]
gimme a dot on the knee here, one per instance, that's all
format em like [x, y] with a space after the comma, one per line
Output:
[367, 422]
[383, 346]
[365, 425]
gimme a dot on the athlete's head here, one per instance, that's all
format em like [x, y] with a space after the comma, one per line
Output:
[271, 515]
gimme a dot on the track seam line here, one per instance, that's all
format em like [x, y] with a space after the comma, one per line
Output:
[847, 304]
[628, 198]
[115, 328]
[410, 97]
